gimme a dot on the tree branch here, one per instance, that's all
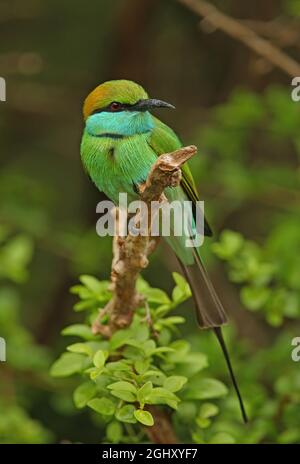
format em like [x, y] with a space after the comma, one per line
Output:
[130, 257]
[162, 431]
[131, 252]
[241, 32]
[285, 33]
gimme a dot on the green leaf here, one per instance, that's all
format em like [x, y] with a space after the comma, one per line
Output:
[133, 353]
[81, 291]
[181, 349]
[165, 336]
[84, 393]
[178, 295]
[102, 405]
[135, 343]
[82, 348]
[140, 331]
[141, 365]
[274, 318]
[208, 410]
[67, 364]
[124, 395]
[255, 298]
[99, 359]
[144, 417]
[144, 392]
[156, 376]
[203, 422]
[183, 290]
[180, 281]
[15, 256]
[93, 284]
[149, 347]
[119, 339]
[161, 350]
[162, 310]
[162, 396]
[79, 330]
[172, 320]
[156, 295]
[118, 366]
[174, 383]
[83, 305]
[122, 386]
[114, 432]
[229, 244]
[94, 372]
[126, 414]
[205, 389]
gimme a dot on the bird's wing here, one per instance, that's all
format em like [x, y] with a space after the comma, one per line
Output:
[210, 311]
[164, 140]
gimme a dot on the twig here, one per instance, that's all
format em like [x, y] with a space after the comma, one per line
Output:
[239, 31]
[284, 33]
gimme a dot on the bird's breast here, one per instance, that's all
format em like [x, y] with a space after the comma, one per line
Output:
[117, 165]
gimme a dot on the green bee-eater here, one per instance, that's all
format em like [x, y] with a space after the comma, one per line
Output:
[121, 141]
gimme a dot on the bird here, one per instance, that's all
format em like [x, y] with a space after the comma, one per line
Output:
[120, 143]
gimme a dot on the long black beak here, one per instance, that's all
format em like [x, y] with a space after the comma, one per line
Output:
[149, 104]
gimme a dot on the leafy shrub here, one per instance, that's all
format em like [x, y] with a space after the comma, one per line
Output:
[144, 365]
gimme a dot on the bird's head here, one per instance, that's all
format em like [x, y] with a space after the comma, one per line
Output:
[120, 108]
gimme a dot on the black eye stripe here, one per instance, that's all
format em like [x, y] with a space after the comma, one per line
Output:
[108, 109]
[123, 107]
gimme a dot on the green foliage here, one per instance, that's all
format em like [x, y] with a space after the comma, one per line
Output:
[14, 256]
[24, 357]
[252, 143]
[16, 426]
[272, 397]
[244, 170]
[268, 283]
[292, 7]
[141, 366]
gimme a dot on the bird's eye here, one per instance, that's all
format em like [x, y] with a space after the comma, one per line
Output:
[115, 106]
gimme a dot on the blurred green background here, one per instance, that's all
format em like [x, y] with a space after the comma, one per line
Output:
[236, 108]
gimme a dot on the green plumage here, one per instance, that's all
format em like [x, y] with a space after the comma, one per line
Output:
[120, 165]
[121, 142]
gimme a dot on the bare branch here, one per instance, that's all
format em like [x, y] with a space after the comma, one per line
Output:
[241, 32]
[285, 33]
[131, 253]
[160, 432]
